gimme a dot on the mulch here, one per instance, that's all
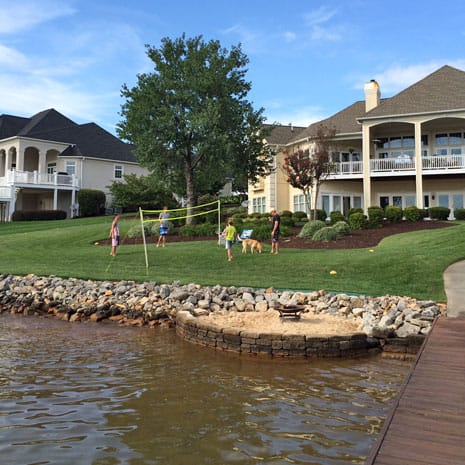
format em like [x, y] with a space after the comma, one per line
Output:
[355, 240]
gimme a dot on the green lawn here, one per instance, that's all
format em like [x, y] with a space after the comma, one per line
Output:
[409, 264]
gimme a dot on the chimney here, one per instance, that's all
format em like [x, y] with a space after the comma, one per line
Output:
[372, 95]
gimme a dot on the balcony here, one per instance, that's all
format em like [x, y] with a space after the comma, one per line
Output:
[40, 180]
[401, 166]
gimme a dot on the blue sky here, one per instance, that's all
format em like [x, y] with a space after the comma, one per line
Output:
[308, 58]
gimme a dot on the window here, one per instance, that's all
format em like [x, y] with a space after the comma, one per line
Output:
[443, 200]
[299, 203]
[259, 205]
[51, 168]
[410, 201]
[457, 201]
[70, 167]
[118, 171]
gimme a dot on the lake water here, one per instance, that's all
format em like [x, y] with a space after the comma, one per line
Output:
[89, 393]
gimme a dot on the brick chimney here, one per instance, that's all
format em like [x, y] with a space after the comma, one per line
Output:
[372, 95]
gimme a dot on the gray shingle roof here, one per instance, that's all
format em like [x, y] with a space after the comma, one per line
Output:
[442, 90]
[281, 135]
[89, 140]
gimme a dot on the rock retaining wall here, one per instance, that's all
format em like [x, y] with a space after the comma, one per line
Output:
[395, 324]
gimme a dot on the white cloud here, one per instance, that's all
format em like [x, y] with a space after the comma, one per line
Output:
[11, 58]
[22, 15]
[303, 116]
[290, 36]
[318, 20]
[397, 77]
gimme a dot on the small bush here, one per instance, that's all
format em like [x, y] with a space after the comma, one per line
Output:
[300, 216]
[287, 221]
[196, 230]
[393, 213]
[341, 228]
[357, 221]
[336, 216]
[355, 210]
[439, 213]
[413, 213]
[286, 213]
[375, 217]
[328, 233]
[136, 230]
[459, 214]
[310, 228]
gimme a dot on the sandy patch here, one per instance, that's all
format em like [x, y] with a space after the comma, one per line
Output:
[270, 322]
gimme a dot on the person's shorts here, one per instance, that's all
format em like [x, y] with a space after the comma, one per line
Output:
[163, 230]
[229, 244]
[275, 237]
[115, 241]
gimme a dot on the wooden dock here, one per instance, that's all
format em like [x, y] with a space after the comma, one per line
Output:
[426, 425]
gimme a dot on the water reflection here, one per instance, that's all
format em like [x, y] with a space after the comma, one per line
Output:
[100, 394]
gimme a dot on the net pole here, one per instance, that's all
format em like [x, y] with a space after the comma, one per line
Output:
[143, 238]
[219, 222]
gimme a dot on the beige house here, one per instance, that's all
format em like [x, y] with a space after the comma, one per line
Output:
[46, 159]
[405, 150]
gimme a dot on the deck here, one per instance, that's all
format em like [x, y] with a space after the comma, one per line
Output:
[426, 425]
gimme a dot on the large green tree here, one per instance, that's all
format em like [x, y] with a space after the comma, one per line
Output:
[190, 119]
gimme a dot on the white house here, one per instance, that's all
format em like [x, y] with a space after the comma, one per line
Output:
[46, 159]
[405, 150]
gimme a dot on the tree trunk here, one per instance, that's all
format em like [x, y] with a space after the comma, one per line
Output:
[190, 191]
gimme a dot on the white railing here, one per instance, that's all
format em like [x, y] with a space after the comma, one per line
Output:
[392, 164]
[14, 177]
[348, 167]
[443, 162]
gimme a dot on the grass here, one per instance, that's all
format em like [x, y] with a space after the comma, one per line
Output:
[409, 264]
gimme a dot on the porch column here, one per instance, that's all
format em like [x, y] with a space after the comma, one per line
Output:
[42, 162]
[55, 199]
[7, 161]
[20, 160]
[366, 168]
[418, 167]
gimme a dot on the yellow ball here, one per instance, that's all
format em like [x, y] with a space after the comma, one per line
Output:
[371, 250]
[96, 243]
[333, 272]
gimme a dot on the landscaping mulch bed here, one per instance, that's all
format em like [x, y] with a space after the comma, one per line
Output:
[355, 240]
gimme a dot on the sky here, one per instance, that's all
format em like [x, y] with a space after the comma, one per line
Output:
[308, 59]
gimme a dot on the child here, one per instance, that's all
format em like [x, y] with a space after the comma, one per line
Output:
[114, 234]
[230, 234]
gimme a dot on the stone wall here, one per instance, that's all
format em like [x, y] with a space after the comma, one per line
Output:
[395, 324]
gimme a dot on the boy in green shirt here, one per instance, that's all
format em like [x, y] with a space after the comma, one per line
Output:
[230, 234]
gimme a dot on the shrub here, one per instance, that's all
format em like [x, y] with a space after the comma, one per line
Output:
[357, 221]
[375, 217]
[459, 214]
[320, 214]
[300, 216]
[336, 216]
[310, 228]
[328, 233]
[413, 213]
[286, 213]
[355, 210]
[38, 215]
[393, 213]
[262, 232]
[195, 230]
[136, 230]
[287, 221]
[91, 202]
[439, 213]
[341, 228]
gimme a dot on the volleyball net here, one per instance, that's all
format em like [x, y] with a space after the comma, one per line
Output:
[153, 216]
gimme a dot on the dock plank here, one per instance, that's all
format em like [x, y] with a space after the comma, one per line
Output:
[426, 425]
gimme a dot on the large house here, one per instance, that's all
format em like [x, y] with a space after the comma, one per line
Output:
[46, 159]
[405, 150]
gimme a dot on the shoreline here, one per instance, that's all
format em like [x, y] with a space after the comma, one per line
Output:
[393, 325]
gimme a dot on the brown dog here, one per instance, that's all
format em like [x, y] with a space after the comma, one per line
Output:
[253, 244]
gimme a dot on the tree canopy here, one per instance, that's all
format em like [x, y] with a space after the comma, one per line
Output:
[307, 169]
[190, 120]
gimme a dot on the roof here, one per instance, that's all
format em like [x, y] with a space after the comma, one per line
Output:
[443, 90]
[344, 121]
[88, 140]
[282, 135]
